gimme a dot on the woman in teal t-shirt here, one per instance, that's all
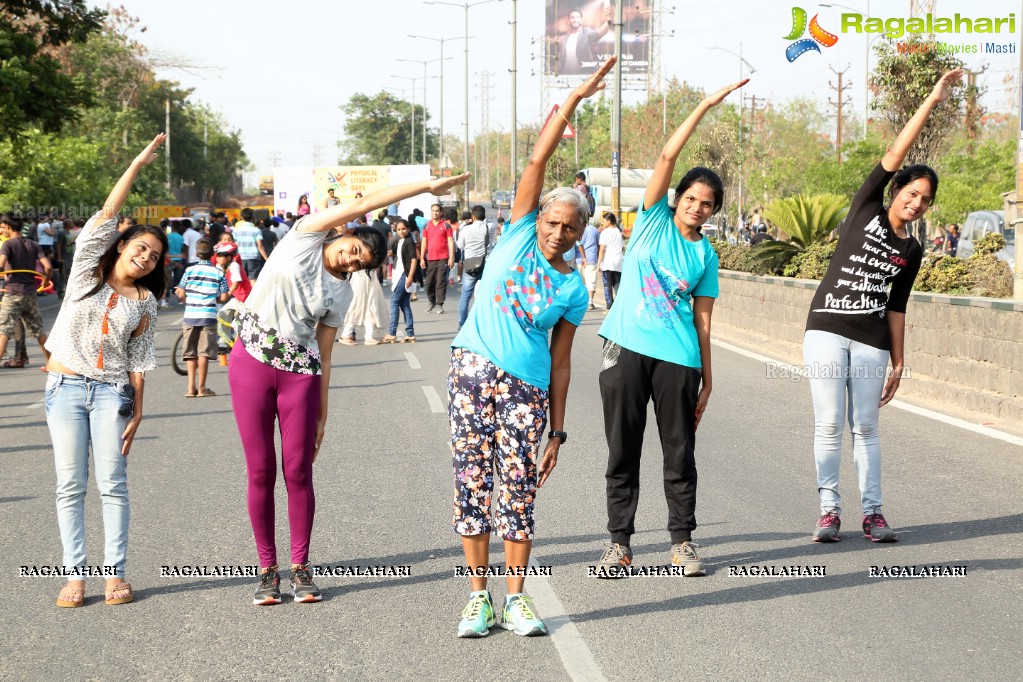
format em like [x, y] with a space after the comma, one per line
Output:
[658, 346]
[505, 376]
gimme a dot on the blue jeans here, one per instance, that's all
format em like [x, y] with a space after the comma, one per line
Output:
[468, 287]
[401, 300]
[839, 367]
[82, 411]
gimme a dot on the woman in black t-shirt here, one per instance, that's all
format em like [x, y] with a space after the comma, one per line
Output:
[857, 323]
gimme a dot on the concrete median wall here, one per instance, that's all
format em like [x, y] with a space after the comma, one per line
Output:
[965, 354]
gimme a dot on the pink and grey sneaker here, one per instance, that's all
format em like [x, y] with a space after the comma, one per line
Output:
[827, 527]
[877, 529]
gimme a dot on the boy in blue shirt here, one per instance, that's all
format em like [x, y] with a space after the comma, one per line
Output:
[201, 287]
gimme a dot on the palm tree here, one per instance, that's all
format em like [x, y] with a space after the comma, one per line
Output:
[804, 219]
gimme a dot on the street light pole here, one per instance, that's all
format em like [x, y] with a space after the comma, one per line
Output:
[616, 119]
[424, 62]
[441, 41]
[412, 118]
[514, 100]
[465, 125]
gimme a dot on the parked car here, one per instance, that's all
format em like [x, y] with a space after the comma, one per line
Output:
[980, 223]
[501, 199]
[709, 230]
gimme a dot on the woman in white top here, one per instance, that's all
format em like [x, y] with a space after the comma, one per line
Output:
[101, 346]
[610, 256]
[280, 368]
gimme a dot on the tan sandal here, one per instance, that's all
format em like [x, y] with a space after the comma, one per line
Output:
[409, 339]
[77, 595]
[390, 338]
[122, 589]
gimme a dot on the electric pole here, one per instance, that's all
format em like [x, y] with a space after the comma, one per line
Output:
[167, 147]
[973, 109]
[842, 101]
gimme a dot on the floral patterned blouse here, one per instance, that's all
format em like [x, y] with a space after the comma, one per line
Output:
[77, 339]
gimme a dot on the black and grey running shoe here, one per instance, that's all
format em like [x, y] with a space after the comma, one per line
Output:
[269, 590]
[302, 585]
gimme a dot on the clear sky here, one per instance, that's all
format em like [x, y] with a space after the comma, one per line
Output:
[280, 72]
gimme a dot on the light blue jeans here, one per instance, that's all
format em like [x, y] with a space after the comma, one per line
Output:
[468, 287]
[838, 367]
[82, 411]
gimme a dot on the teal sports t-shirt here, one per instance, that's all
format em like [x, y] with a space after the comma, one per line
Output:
[519, 299]
[652, 314]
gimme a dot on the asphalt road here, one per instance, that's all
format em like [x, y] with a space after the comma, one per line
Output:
[383, 482]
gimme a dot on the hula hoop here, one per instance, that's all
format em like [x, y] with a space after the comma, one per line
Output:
[48, 288]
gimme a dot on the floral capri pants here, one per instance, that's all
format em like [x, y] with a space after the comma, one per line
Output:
[496, 420]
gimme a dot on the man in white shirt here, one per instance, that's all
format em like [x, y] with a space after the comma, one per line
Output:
[474, 239]
[44, 235]
[191, 237]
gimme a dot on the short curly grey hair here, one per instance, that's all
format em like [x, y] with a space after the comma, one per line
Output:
[568, 196]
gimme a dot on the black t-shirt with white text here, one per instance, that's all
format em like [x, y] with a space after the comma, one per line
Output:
[854, 297]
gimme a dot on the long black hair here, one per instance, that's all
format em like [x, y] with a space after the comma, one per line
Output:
[908, 175]
[371, 239]
[705, 176]
[155, 281]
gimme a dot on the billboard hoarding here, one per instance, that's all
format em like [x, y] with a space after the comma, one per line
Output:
[580, 36]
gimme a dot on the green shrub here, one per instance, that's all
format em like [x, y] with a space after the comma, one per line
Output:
[943, 275]
[812, 262]
[988, 275]
[988, 245]
[731, 257]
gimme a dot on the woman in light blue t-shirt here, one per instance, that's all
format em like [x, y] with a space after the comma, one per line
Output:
[505, 375]
[658, 346]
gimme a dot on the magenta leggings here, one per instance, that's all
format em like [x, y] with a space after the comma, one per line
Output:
[259, 394]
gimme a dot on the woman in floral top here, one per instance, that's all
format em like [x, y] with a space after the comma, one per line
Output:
[280, 368]
[101, 346]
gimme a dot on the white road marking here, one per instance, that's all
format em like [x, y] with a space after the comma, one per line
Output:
[436, 406]
[922, 411]
[413, 361]
[575, 654]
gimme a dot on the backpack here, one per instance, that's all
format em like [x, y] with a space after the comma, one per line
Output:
[590, 201]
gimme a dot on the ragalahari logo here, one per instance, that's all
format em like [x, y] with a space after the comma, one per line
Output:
[817, 35]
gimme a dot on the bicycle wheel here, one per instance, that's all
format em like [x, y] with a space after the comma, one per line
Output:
[177, 362]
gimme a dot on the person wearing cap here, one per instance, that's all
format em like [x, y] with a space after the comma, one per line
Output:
[238, 288]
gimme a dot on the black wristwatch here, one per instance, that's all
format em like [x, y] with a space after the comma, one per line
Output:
[558, 434]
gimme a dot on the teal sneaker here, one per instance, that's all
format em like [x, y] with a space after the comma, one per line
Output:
[520, 617]
[478, 615]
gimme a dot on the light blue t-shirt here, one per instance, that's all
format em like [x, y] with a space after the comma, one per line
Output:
[174, 244]
[518, 300]
[246, 235]
[662, 272]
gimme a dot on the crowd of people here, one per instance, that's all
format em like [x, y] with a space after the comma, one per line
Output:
[292, 284]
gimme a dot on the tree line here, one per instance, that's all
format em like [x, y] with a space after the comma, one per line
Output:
[80, 96]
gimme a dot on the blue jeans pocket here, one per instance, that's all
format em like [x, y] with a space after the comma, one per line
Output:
[53, 381]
